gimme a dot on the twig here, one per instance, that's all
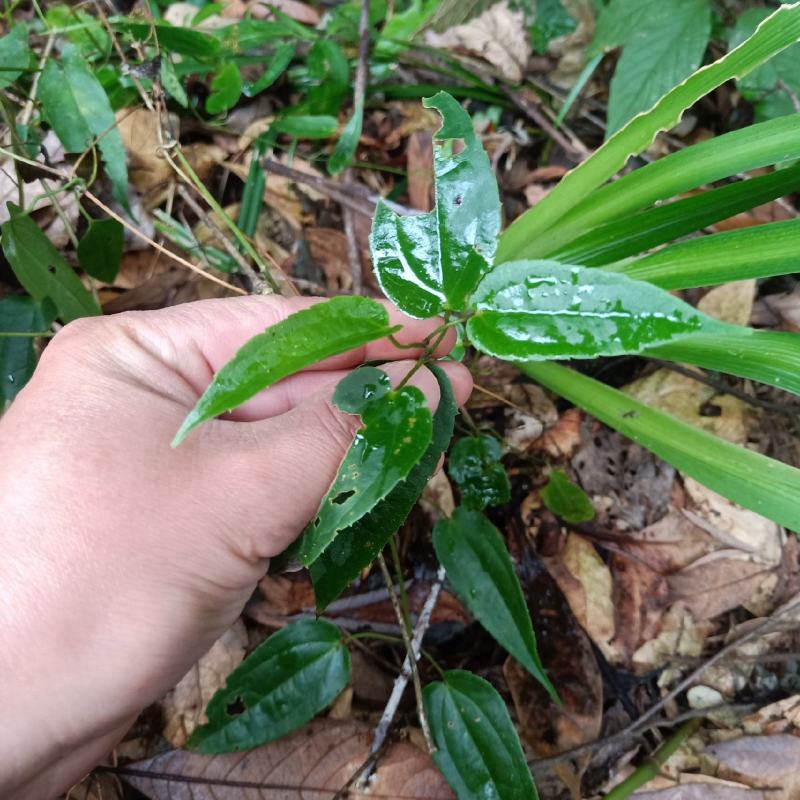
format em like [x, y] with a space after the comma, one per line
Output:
[27, 112]
[401, 681]
[575, 148]
[405, 627]
[644, 723]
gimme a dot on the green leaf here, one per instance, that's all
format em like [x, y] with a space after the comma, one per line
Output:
[477, 749]
[100, 249]
[283, 684]
[183, 236]
[78, 110]
[654, 226]
[476, 467]
[428, 262]
[552, 20]
[479, 568]
[544, 309]
[761, 484]
[401, 27]
[41, 270]
[566, 500]
[771, 357]
[171, 38]
[18, 314]
[172, 83]
[361, 388]
[345, 149]
[15, 55]
[82, 29]
[277, 66]
[662, 44]
[303, 339]
[354, 548]
[397, 430]
[769, 87]
[226, 89]
[533, 233]
[755, 252]
[306, 126]
[329, 71]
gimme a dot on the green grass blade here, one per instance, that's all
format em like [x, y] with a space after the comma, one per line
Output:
[774, 34]
[757, 252]
[654, 226]
[771, 357]
[762, 484]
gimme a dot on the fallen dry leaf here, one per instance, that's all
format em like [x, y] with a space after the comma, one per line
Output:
[586, 583]
[97, 786]
[419, 165]
[498, 35]
[701, 791]
[769, 763]
[314, 762]
[328, 247]
[300, 12]
[563, 437]
[732, 302]
[140, 130]
[183, 706]
[782, 716]
[781, 311]
[285, 595]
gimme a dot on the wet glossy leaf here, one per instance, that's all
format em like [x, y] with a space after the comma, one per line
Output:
[18, 314]
[537, 232]
[479, 568]
[77, 108]
[543, 310]
[354, 548]
[475, 466]
[100, 249]
[279, 62]
[14, 54]
[302, 339]
[761, 484]
[565, 499]
[397, 429]
[284, 682]
[360, 388]
[41, 269]
[428, 262]
[477, 748]
[226, 89]
[307, 126]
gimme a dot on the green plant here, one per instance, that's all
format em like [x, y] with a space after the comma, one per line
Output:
[527, 298]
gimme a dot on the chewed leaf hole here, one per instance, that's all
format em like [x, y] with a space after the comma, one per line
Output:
[342, 497]
[236, 707]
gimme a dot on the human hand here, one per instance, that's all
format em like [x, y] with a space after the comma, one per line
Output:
[123, 559]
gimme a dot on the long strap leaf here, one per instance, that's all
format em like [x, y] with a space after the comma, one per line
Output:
[774, 34]
[762, 484]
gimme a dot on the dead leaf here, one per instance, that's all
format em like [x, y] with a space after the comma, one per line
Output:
[328, 247]
[563, 437]
[498, 35]
[680, 635]
[701, 791]
[781, 311]
[300, 12]
[97, 786]
[782, 716]
[419, 165]
[183, 706]
[732, 302]
[437, 499]
[695, 403]
[140, 130]
[769, 763]
[284, 595]
[315, 761]
[586, 582]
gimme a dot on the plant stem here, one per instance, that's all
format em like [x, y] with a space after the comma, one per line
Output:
[652, 766]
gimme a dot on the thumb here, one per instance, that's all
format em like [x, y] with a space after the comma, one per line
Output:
[286, 464]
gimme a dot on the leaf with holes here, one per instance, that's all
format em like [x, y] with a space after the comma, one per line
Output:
[477, 748]
[397, 429]
[544, 309]
[303, 339]
[280, 686]
[429, 262]
[41, 270]
[475, 466]
[565, 499]
[354, 548]
[479, 568]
